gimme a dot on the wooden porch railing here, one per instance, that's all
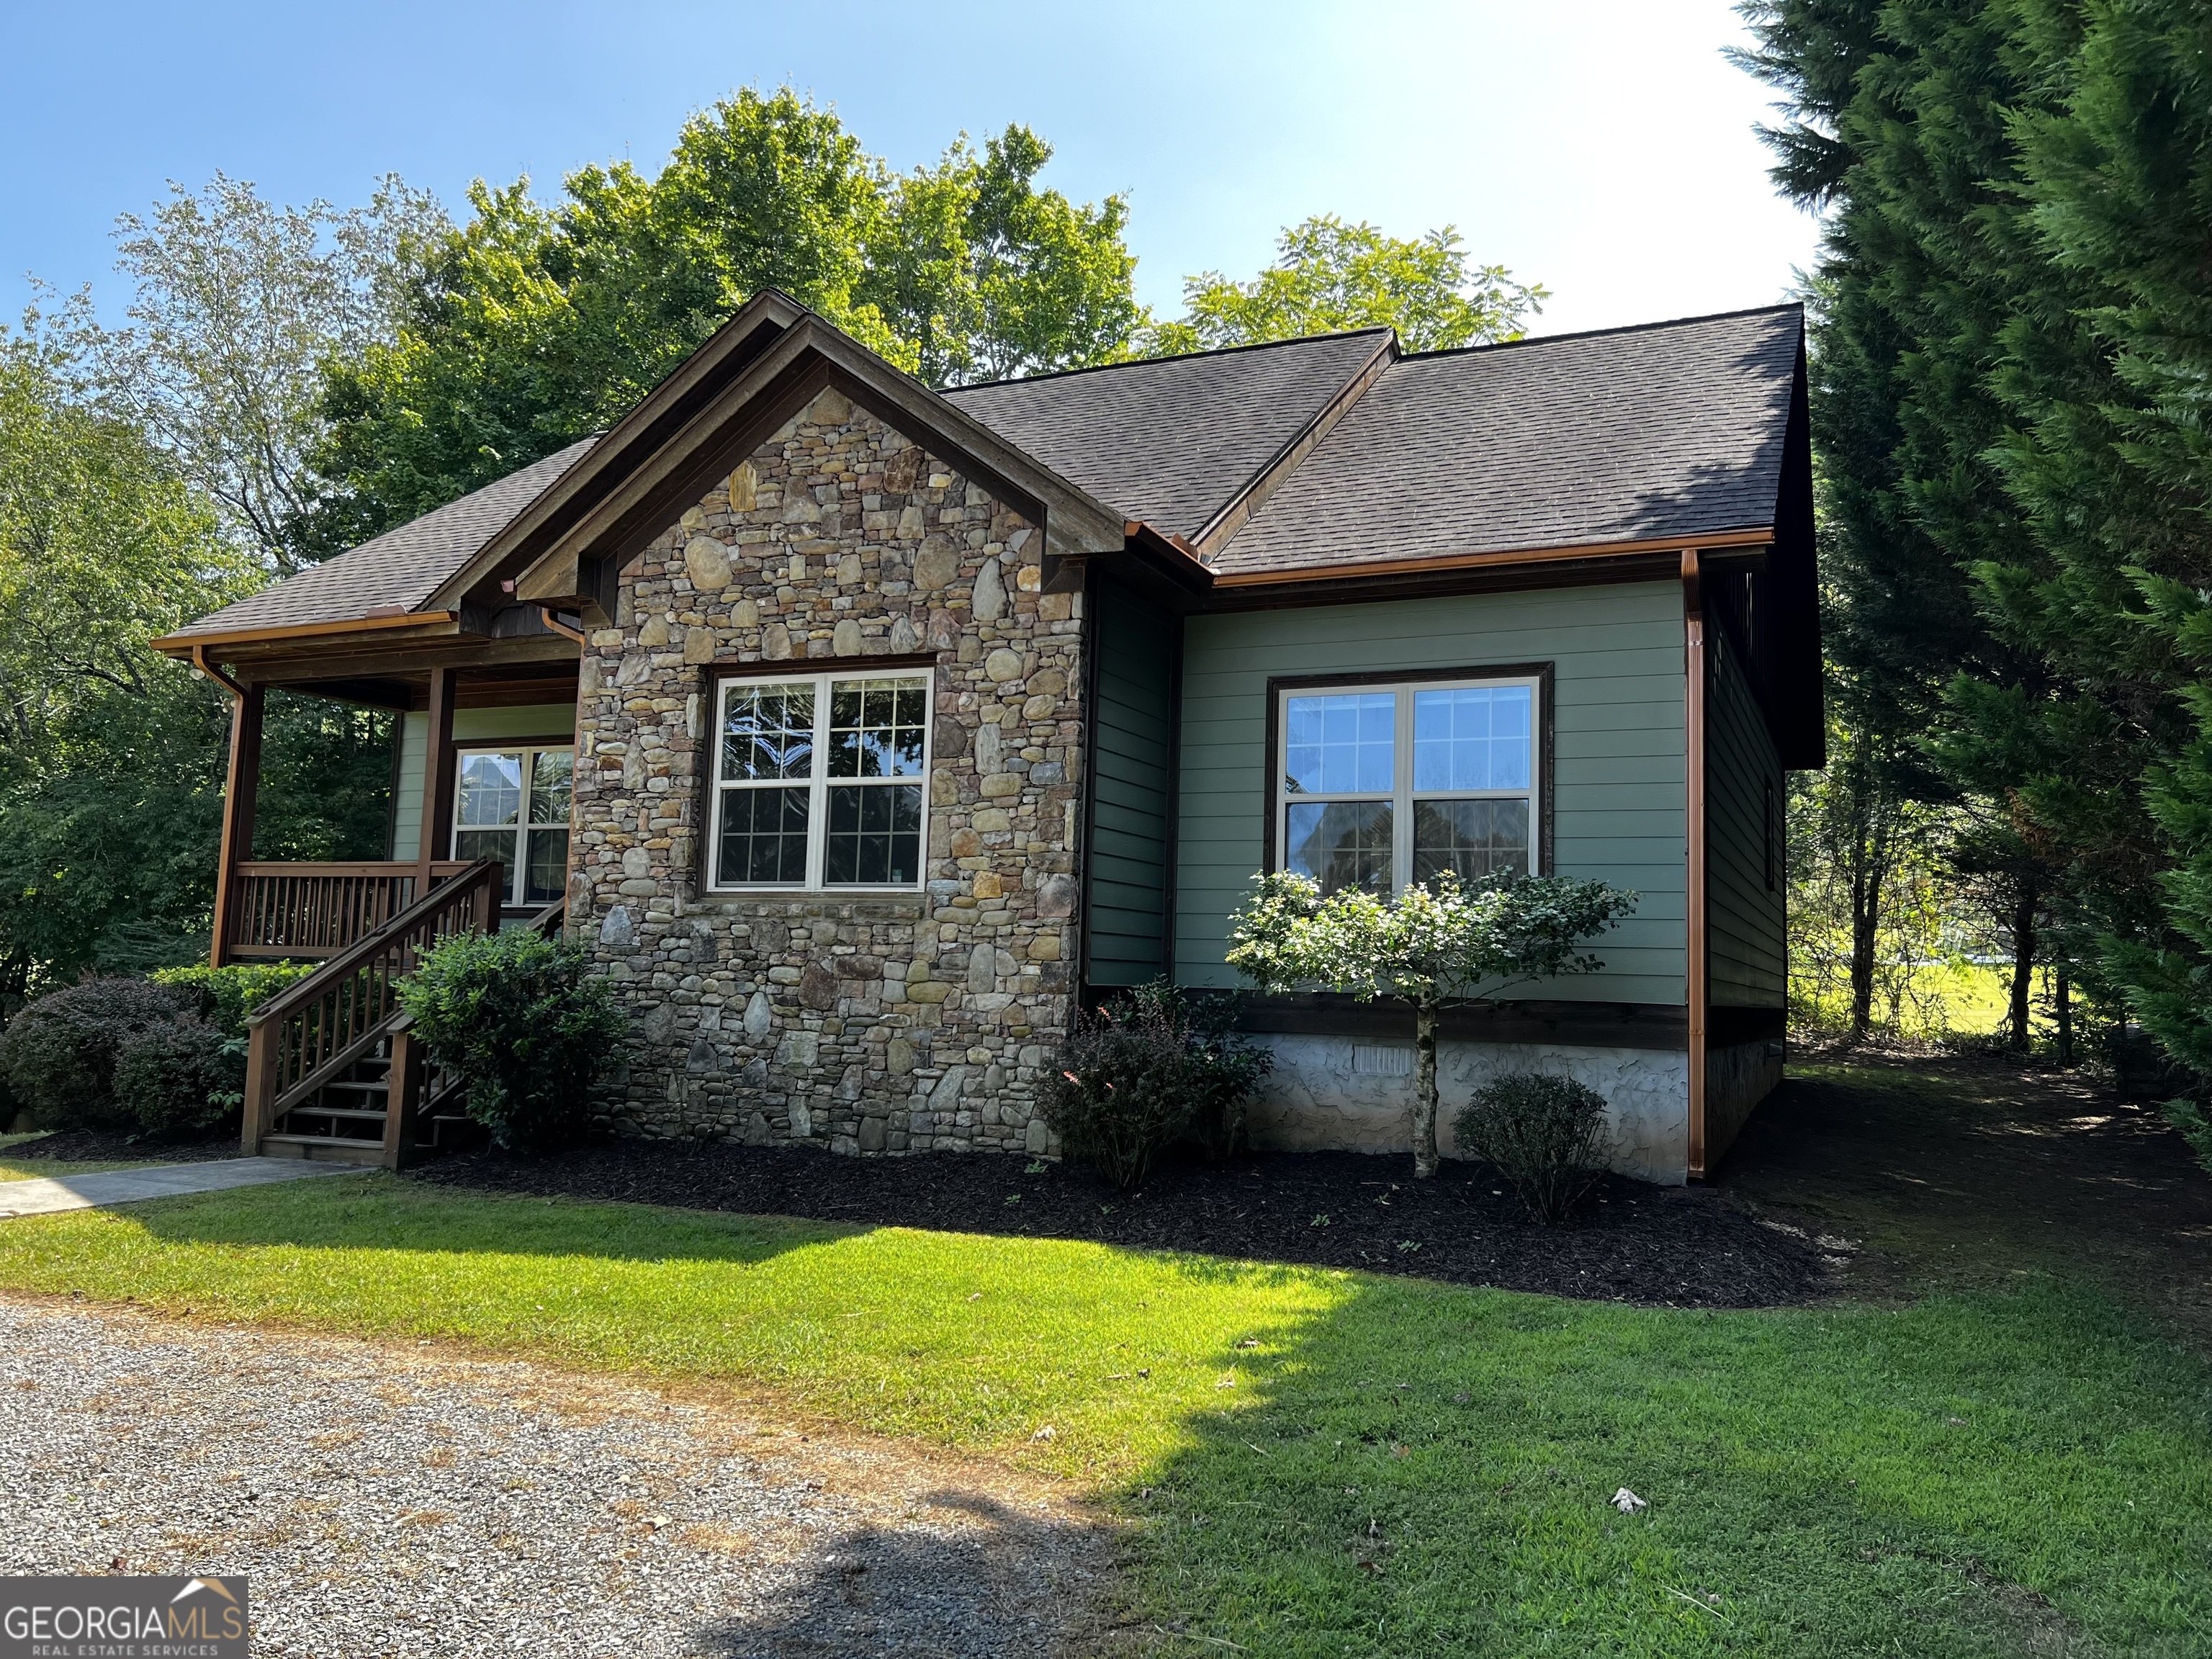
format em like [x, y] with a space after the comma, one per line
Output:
[318, 909]
[308, 1035]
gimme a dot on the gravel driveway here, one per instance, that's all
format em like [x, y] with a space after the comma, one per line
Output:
[388, 1500]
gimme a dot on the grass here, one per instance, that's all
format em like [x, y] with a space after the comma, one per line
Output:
[38, 1169]
[1326, 1463]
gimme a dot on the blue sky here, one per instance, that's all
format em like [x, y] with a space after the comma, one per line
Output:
[1602, 149]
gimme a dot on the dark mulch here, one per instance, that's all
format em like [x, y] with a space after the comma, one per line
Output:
[1632, 1242]
[88, 1146]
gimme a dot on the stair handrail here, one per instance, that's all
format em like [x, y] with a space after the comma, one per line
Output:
[309, 1033]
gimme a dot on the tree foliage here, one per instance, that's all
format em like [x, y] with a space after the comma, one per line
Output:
[1432, 944]
[2009, 408]
[533, 326]
[1330, 276]
[237, 307]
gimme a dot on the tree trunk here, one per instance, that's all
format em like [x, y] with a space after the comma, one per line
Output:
[2064, 996]
[2023, 966]
[1424, 1089]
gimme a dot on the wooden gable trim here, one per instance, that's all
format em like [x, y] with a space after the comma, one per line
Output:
[728, 427]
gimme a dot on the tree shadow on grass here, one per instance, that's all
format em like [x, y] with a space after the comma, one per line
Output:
[966, 1578]
[1423, 1470]
[376, 1212]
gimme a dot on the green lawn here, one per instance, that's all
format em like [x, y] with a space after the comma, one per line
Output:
[34, 1169]
[1327, 1463]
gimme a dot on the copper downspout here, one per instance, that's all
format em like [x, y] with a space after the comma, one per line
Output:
[1695, 972]
[545, 614]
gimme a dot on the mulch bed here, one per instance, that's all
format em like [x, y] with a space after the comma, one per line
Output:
[85, 1146]
[1632, 1243]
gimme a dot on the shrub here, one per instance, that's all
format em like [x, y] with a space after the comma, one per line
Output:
[181, 1079]
[515, 1016]
[1142, 1073]
[1546, 1134]
[2196, 1128]
[224, 996]
[60, 1052]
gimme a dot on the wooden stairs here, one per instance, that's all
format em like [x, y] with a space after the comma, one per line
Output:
[333, 1071]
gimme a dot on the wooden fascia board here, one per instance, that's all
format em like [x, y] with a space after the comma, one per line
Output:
[768, 308]
[372, 660]
[217, 643]
[1221, 529]
[809, 358]
[1365, 570]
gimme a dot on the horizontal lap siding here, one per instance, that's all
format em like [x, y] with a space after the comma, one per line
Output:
[1125, 939]
[1749, 947]
[1617, 763]
[470, 726]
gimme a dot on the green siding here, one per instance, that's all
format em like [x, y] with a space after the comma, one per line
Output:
[1617, 750]
[470, 726]
[1125, 934]
[1745, 916]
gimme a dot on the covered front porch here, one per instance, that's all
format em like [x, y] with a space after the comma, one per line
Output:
[477, 838]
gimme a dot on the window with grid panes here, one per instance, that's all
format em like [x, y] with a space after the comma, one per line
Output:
[511, 805]
[820, 782]
[1380, 786]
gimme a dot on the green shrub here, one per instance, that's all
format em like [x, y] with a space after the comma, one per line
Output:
[1143, 1073]
[515, 1015]
[60, 1052]
[181, 1079]
[224, 996]
[2196, 1128]
[1546, 1133]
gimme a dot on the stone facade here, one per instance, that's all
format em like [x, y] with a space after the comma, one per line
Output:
[885, 1021]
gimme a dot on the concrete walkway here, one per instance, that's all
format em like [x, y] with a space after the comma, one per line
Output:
[46, 1195]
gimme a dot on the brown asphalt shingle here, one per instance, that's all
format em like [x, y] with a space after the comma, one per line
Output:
[1171, 441]
[402, 567]
[1672, 428]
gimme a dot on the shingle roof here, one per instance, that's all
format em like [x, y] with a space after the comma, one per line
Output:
[402, 567]
[1171, 441]
[1672, 428]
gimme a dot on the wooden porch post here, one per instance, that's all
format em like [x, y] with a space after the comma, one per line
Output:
[1693, 755]
[241, 791]
[433, 844]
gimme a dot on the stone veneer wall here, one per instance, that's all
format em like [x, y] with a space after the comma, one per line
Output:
[892, 1022]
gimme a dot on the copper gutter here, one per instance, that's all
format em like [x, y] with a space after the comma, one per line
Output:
[1732, 538]
[174, 644]
[1695, 972]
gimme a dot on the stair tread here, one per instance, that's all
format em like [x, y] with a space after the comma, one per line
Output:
[357, 1112]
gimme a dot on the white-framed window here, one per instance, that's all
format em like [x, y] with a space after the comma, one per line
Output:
[821, 781]
[512, 803]
[1384, 786]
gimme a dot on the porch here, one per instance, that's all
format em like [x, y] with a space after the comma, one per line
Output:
[475, 839]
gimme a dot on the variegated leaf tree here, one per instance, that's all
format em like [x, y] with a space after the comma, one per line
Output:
[1448, 941]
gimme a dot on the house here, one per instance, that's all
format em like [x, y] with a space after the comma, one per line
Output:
[862, 732]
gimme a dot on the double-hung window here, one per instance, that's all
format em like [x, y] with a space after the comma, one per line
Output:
[1382, 787]
[820, 782]
[511, 805]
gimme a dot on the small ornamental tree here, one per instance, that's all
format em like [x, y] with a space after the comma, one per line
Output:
[1445, 942]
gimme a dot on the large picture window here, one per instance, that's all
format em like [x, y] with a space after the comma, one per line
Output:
[511, 805]
[1382, 787]
[819, 782]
